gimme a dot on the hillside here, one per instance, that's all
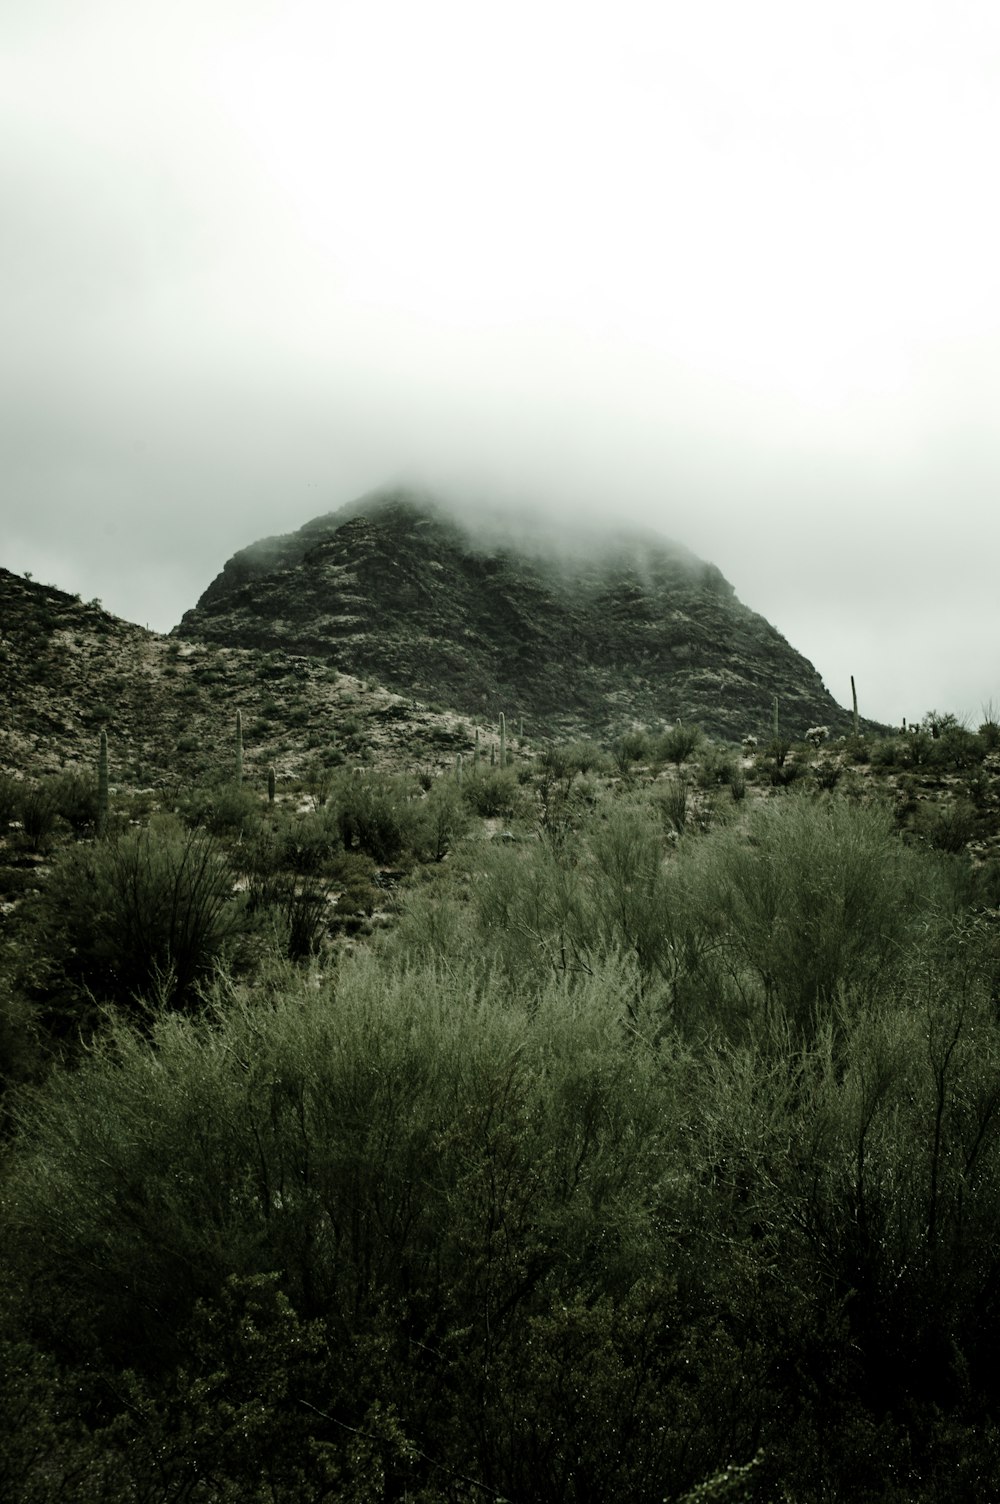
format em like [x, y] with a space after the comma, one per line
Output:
[69, 668]
[625, 629]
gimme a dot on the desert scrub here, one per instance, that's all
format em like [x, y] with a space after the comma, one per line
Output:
[455, 1184]
[222, 809]
[811, 898]
[146, 914]
[39, 815]
[493, 792]
[678, 744]
[374, 813]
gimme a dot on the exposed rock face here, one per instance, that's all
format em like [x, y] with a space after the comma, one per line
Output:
[629, 629]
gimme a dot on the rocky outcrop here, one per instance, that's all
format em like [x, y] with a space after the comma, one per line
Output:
[621, 630]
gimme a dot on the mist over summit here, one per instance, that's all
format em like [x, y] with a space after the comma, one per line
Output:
[583, 629]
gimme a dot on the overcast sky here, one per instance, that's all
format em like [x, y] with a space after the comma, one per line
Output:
[729, 268]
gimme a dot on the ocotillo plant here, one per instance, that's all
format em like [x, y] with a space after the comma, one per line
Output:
[503, 741]
[102, 785]
[239, 746]
[854, 697]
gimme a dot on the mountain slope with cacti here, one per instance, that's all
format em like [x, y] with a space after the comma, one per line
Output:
[69, 671]
[621, 630]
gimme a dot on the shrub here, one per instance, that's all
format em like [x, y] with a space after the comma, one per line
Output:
[39, 814]
[75, 798]
[717, 767]
[374, 813]
[565, 759]
[678, 744]
[224, 809]
[456, 1185]
[441, 819]
[948, 826]
[492, 792]
[810, 897]
[10, 800]
[147, 914]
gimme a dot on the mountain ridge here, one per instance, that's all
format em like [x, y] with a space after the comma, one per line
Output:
[589, 633]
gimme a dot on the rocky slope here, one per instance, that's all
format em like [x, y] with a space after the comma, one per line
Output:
[630, 629]
[69, 668]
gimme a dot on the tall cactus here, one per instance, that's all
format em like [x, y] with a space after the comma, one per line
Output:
[458, 767]
[854, 697]
[239, 747]
[102, 785]
[503, 740]
[270, 786]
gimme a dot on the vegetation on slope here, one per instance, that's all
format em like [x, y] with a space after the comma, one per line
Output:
[619, 1123]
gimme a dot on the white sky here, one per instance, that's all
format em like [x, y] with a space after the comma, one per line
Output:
[730, 269]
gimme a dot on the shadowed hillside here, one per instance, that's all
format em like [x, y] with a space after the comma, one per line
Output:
[625, 629]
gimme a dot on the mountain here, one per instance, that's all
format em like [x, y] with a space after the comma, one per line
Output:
[69, 668]
[592, 635]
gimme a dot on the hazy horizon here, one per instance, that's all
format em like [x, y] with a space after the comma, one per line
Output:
[725, 272]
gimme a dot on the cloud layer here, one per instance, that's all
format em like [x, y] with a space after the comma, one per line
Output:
[724, 270]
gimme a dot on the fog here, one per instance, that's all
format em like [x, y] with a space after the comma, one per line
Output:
[724, 271]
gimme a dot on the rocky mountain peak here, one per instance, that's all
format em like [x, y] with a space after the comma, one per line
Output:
[584, 634]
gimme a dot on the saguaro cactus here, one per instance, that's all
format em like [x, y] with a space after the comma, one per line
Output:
[458, 767]
[270, 786]
[854, 697]
[239, 747]
[503, 740]
[776, 717]
[102, 784]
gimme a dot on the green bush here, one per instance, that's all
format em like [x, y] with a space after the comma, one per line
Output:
[10, 800]
[456, 1186]
[75, 798]
[809, 897]
[374, 813]
[492, 792]
[147, 914]
[678, 744]
[441, 819]
[39, 815]
[223, 809]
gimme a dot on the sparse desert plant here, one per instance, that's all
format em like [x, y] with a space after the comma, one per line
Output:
[441, 819]
[810, 897]
[144, 914]
[375, 813]
[678, 744]
[222, 809]
[948, 825]
[827, 773]
[75, 798]
[494, 793]
[39, 814]
[717, 766]
[10, 800]
[671, 804]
